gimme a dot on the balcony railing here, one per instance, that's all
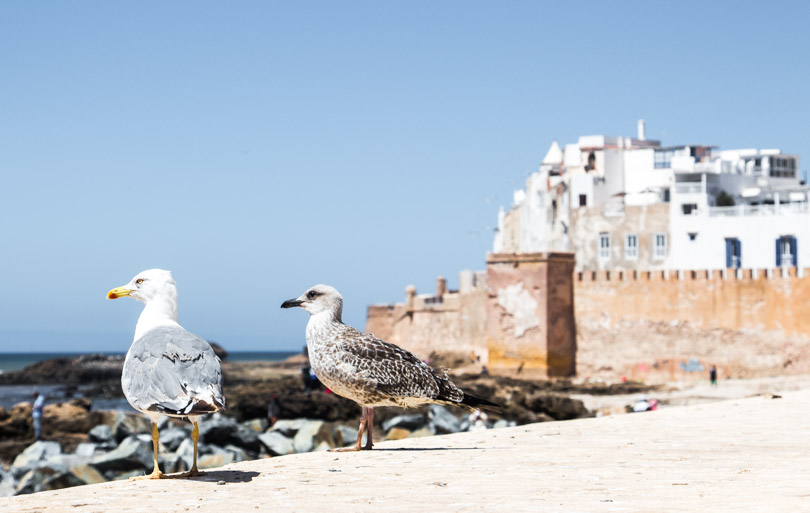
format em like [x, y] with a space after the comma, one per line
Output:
[759, 210]
[689, 188]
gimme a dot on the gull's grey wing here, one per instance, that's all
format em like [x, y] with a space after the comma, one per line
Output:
[395, 372]
[172, 371]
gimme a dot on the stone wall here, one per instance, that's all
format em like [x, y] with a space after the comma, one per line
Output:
[763, 300]
[448, 322]
[519, 315]
[530, 313]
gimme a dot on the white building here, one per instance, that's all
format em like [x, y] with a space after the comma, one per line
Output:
[630, 203]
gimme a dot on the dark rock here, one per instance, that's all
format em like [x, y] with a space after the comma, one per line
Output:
[133, 453]
[559, 407]
[442, 421]
[172, 437]
[129, 424]
[218, 350]
[221, 430]
[101, 434]
[411, 422]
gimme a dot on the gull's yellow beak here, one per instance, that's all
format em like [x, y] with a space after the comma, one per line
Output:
[118, 292]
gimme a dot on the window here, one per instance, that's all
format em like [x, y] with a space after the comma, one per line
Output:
[688, 208]
[659, 246]
[783, 167]
[583, 200]
[631, 247]
[786, 251]
[733, 253]
[604, 247]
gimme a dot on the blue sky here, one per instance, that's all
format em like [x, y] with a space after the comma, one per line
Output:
[258, 148]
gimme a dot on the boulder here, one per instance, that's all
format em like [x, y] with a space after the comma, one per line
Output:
[86, 450]
[127, 424]
[345, 435]
[442, 421]
[276, 443]
[214, 460]
[75, 476]
[133, 453]
[217, 429]
[238, 453]
[15, 423]
[288, 427]
[258, 425]
[421, 433]
[32, 481]
[410, 422]
[397, 433]
[502, 423]
[8, 485]
[559, 407]
[312, 433]
[101, 434]
[172, 437]
[73, 416]
[222, 430]
[170, 463]
[186, 451]
[37, 452]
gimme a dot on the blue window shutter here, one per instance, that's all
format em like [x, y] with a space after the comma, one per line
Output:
[778, 252]
[793, 252]
[728, 253]
[738, 251]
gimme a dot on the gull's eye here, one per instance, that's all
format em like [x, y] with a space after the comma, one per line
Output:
[312, 294]
[138, 281]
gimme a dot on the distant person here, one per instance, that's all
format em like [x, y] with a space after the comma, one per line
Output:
[484, 370]
[713, 376]
[39, 404]
[520, 367]
[273, 410]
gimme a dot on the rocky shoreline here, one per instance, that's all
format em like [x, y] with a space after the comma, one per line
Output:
[83, 445]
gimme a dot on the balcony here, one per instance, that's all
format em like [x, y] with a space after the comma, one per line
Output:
[759, 210]
[689, 188]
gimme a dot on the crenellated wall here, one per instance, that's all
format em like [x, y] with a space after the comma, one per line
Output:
[737, 299]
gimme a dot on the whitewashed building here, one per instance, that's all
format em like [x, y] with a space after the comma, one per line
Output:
[631, 203]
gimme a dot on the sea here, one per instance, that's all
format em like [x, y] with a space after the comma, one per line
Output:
[13, 394]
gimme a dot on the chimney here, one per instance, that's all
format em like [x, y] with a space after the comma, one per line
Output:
[410, 296]
[641, 136]
[441, 286]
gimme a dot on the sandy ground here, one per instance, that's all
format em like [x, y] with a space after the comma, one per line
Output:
[748, 454]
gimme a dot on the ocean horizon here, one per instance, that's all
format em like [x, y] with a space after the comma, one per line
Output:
[19, 360]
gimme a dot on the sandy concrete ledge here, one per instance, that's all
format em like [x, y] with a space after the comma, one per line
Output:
[739, 455]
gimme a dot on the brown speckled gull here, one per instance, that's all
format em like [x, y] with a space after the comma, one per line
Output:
[365, 369]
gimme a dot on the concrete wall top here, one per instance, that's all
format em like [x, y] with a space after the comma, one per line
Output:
[557, 256]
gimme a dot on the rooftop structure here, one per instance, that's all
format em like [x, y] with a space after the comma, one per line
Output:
[631, 203]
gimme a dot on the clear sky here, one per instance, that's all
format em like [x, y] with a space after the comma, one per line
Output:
[257, 148]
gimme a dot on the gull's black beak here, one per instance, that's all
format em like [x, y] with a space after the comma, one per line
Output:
[290, 303]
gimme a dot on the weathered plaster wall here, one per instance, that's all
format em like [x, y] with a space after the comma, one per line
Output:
[748, 300]
[644, 221]
[530, 312]
[456, 324]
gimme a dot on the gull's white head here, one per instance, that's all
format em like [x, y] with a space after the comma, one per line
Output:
[318, 299]
[147, 286]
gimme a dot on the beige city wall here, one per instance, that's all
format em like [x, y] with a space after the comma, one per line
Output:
[773, 300]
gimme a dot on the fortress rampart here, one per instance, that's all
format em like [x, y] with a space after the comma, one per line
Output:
[737, 299]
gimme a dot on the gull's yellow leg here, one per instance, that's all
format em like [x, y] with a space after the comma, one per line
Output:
[195, 437]
[156, 473]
